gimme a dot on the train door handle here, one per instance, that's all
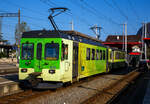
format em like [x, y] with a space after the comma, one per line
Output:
[67, 66]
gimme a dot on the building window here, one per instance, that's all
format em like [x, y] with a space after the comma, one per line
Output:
[93, 54]
[88, 54]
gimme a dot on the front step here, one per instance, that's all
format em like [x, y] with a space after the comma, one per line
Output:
[49, 85]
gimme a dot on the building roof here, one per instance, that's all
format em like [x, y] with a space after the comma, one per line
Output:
[142, 30]
[119, 38]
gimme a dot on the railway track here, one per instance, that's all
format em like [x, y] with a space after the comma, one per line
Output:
[22, 96]
[107, 95]
[71, 93]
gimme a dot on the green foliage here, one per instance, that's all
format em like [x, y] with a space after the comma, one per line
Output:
[2, 54]
[19, 30]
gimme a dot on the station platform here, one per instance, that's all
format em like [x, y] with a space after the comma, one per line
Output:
[8, 68]
[8, 79]
[9, 84]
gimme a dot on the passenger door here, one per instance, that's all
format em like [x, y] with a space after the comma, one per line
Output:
[75, 60]
[38, 62]
[107, 60]
[66, 59]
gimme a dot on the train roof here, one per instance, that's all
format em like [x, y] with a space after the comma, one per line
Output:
[115, 49]
[71, 35]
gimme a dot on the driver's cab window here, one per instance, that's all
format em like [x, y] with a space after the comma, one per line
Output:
[27, 51]
[52, 51]
[64, 55]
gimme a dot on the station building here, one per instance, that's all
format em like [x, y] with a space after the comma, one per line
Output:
[134, 42]
[5, 49]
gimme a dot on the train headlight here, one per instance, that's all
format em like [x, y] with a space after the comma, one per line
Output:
[51, 71]
[23, 70]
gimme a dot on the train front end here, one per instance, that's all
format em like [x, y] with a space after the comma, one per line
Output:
[40, 62]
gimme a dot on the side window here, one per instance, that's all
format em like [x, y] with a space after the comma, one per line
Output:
[117, 55]
[100, 54]
[110, 55]
[123, 55]
[103, 55]
[97, 56]
[93, 54]
[27, 51]
[64, 55]
[88, 54]
[39, 51]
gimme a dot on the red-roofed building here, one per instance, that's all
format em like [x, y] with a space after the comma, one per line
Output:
[117, 41]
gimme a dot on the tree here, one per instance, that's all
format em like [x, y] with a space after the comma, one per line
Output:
[1, 37]
[19, 30]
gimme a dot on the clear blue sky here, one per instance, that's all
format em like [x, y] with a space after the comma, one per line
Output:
[108, 14]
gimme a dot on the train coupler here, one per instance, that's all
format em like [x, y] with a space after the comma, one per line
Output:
[33, 78]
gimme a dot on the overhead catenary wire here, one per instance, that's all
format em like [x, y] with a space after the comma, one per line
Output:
[119, 9]
[94, 10]
[109, 4]
[116, 7]
[52, 4]
[133, 9]
[134, 12]
[28, 9]
[72, 15]
[23, 7]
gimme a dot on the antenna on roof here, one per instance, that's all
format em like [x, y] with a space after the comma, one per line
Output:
[55, 12]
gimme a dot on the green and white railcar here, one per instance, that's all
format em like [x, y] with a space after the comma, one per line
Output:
[49, 56]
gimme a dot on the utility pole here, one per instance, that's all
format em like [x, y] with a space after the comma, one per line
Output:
[2, 15]
[72, 25]
[19, 37]
[145, 43]
[123, 36]
[142, 50]
[18, 41]
[97, 30]
[126, 43]
[0, 26]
